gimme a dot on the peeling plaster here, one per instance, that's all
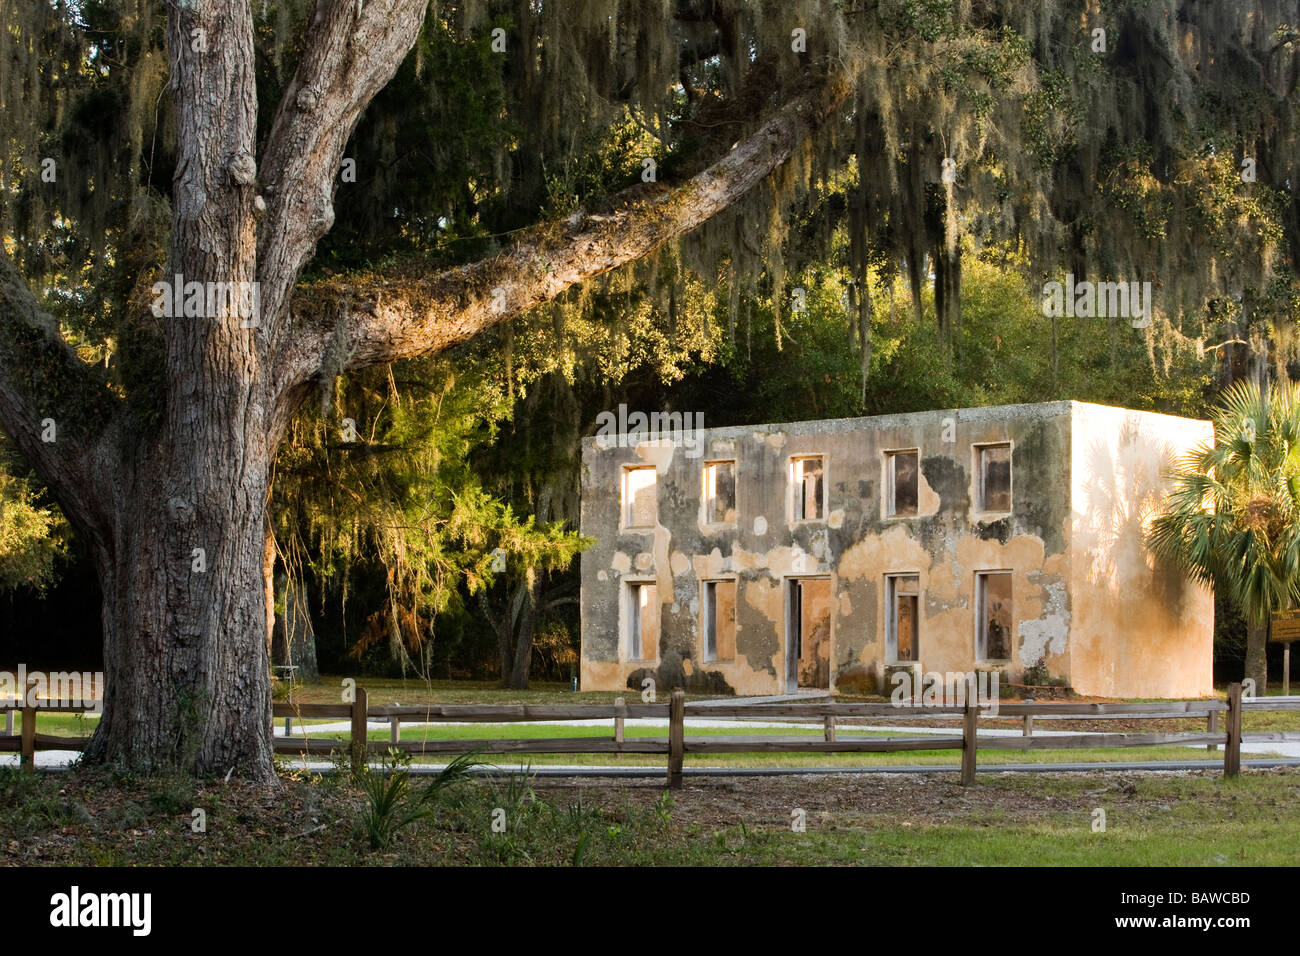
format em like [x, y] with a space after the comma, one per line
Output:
[1048, 633]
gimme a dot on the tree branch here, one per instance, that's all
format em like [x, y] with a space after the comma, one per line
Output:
[353, 48]
[53, 406]
[353, 323]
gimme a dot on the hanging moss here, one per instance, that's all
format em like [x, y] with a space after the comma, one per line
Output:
[971, 124]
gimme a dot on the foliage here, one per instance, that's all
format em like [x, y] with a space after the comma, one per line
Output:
[384, 477]
[390, 808]
[1006, 352]
[32, 533]
[1233, 516]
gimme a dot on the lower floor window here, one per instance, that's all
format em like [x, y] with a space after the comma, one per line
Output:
[719, 620]
[642, 621]
[993, 616]
[901, 617]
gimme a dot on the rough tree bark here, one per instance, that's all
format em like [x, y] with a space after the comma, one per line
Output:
[176, 516]
[523, 661]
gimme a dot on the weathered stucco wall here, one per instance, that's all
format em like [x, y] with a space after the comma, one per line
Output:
[1089, 607]
[1139, 629]
[855, 546]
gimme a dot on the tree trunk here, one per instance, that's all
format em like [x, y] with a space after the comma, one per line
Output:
[524, 638]
[1256, 657]
[187, 677]
[500, 627]
[185, 643]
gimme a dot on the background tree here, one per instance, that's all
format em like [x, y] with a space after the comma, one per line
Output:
[32, 530]
[1232, 518]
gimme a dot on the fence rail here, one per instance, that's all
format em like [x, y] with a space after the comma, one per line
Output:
[677, 744]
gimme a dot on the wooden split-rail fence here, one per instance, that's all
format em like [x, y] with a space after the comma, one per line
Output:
[836, 738]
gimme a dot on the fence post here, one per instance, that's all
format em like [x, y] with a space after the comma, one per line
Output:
[969, 719]
[676, 738]
[395, 728]
[1232, 752]
[9, 722]
[621, 709]
[29, 739]
[358, 740]
[830, 728]
[1028, 728]
[1213, 728]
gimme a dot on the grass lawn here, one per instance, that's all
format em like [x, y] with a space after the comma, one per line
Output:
[1196, 819]
[387, 690]
[919, 757]
[413, 691]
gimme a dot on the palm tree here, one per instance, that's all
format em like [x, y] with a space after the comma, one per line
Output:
[1232, 517]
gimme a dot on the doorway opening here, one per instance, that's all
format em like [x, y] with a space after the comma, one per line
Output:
[808, 633]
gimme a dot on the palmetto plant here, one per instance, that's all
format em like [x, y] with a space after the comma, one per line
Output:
[389, 808]
[1232, 517]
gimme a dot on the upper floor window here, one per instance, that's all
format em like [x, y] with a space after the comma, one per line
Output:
[720, 492]
[640, 508]
[901, 481]
[993, 477]
[808, 488]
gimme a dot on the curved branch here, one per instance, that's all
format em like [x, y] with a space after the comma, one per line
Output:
[53, 406]
[353, 48]
[349, 324]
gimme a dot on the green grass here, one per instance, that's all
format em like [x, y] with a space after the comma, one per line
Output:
[1169, 828]
[413, 691]
[61, 725]
[920, 757]
[386, 690]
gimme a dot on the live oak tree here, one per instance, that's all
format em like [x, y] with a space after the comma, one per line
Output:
[209, 148]
[175, 512]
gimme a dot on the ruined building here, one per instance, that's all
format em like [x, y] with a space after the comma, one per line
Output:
[828, 554]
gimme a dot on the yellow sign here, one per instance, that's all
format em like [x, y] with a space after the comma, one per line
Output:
[1286, 626]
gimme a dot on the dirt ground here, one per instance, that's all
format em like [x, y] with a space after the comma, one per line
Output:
[94, 818]
[715, 802]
